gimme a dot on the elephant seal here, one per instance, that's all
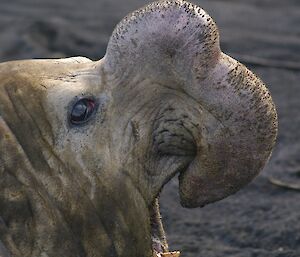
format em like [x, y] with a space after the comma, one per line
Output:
[86, 147]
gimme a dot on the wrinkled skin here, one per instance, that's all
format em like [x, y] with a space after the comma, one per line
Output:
[168, 102]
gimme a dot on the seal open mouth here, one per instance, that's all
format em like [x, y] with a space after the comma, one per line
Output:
[160, 246]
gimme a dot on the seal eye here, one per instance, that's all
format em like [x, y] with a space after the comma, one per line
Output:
[82, 111]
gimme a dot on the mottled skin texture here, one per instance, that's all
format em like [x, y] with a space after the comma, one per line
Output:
[169, 102]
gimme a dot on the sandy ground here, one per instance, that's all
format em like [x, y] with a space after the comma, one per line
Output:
[261, 220]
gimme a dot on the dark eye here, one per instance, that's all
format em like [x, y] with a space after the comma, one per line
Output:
[82, 111]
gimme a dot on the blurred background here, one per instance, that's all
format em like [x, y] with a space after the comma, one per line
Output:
[262, 220]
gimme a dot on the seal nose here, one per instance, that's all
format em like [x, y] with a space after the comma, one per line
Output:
[237, 137]
[176, 43]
